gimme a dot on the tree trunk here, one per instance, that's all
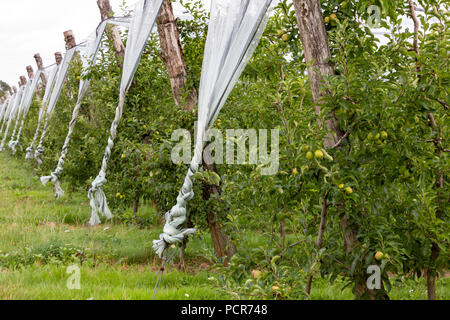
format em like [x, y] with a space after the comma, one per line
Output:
[435, 251]
[136, 205]
[318, 57]
[223, 246]
[319, 241]
[112, 32]
[314, 40]
[432, 273]
[172, 56]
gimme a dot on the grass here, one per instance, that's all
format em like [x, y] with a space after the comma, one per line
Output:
[40, 238]
[104, 282]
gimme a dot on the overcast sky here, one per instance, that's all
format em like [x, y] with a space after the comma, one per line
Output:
[36, 26]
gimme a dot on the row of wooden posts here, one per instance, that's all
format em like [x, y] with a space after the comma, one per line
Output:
[171, 52]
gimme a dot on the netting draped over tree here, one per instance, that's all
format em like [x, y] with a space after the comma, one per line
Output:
[19, 113]
[63, 68]
[235, 29]
[43, 109]
[12, 114]
[88, 58]
[33, 85]
[142, 23]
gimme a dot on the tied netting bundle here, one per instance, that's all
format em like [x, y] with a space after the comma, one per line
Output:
[15, 114]
[141, 26]
[19, 112]
[43, 109]
[56, 91]
[11, 114]
[235, 29]
[88, 58]
[28, 99]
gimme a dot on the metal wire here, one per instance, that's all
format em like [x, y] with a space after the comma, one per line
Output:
[82, 253]
[161, 271]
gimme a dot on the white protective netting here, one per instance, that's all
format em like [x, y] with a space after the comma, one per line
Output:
[145, 14]
[235, 29]
[88, 57]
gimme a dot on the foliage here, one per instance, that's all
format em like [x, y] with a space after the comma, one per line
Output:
[4, 87]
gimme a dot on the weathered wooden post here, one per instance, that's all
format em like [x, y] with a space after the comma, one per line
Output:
[30, 72]
[69, 38]
[172, 55]
[23, 80]
[58, 58]
[40, 66]
[112, 32]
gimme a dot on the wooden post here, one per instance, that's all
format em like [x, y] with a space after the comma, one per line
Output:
[40, 66]
[69, 38]
[172, 55]
[315, 45]
[112, 32]
[172, 52]
[30, 72]
[23, 80]
[58, 58]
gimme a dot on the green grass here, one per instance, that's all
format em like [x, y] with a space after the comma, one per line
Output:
[40, 236]
[104, 282]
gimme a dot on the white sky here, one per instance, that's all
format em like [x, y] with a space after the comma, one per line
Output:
[36, 26]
